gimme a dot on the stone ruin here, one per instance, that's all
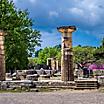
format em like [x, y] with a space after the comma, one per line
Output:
[67, 73]
[2, 57]
[67, 53]
[66, 59]
[53, 64]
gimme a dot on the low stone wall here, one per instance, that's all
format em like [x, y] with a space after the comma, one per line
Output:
[35, 84]
[30, 74]
[28, 84]
[54, 84]
[5, 85]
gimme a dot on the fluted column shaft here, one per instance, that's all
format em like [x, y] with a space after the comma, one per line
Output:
[66, 53]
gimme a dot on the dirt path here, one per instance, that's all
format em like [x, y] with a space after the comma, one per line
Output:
[58, 97]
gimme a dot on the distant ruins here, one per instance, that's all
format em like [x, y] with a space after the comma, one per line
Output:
[53, 64]
[67, 54]
[2, 57]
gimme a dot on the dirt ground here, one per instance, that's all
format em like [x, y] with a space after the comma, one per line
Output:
[56, 97]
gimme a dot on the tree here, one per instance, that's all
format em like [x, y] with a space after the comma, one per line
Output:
[20, 38]
[48, 52]
[99, 53]
[83, 54]
[80, 54]
[37, 52]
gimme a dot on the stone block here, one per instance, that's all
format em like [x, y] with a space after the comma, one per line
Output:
[100, 80]
[33, 77]
[44, 77]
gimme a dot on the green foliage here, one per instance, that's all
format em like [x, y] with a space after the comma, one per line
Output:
[83, 54]
[58, 56]
[48, 52]
[80, 54]
[37, 52]
[31, 63]
[99, 53]
[20, 38]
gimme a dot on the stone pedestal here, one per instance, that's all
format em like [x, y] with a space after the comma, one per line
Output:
[2, 57]
[67, 54]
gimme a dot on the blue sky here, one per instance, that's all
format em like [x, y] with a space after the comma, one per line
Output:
[86, 15]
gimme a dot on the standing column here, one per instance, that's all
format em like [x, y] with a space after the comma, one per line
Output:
[2, 57]
[67, 54]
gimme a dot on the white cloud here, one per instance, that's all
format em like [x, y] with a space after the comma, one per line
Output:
[15, 1]
[32, 1]
[50, 38]
[86, 14]
[53, 13]
[89, 11]
[76, 11]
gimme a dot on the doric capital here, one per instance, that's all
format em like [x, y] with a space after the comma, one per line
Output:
[66, 29]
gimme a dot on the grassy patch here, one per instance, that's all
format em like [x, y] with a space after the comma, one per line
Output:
[25, 89]
[12, 91]
[15, 90]
[46, 89]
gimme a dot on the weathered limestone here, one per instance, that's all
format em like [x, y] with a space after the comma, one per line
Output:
[53, 63]
[67, 54]
[49, 62]
[2, 57]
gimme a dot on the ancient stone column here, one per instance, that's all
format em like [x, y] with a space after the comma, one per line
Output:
[51, 62]
[67, 54]
[2, 57]
[57, 65]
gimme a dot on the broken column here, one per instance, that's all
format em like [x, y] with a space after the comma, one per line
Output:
[2, 57]
[67, 54]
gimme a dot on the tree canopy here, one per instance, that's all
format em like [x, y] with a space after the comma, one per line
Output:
[99, 53]
[48, 52]
[83, 54]
[20, 37]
